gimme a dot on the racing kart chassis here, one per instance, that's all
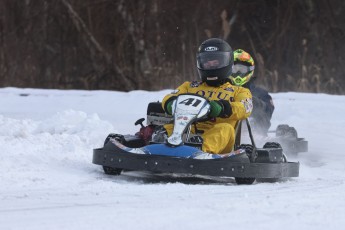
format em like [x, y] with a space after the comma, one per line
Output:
[270, 166]
[131, 152]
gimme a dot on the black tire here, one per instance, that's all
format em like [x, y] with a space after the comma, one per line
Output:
[251, 153]
[282, 130]
[272, 145]
[268, 180]
[292, 133]
[118, 137]
[243, 180]
[112, 171]
[286, 131]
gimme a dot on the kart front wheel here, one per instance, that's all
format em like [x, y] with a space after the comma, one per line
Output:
[112, 171]
[244, 180]
[107, 169]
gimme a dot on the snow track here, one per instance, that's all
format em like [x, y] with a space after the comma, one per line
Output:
[48, 181]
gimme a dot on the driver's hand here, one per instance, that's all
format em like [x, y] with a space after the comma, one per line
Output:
[221, 108]
[168, 105]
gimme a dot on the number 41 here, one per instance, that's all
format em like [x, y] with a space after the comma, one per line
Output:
[189, 101]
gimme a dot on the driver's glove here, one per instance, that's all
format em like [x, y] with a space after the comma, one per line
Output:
[168, 105]
[221, 108]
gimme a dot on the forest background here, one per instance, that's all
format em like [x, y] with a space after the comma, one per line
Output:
[151, 44]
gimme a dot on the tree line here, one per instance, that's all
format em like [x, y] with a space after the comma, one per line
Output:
[150, 45]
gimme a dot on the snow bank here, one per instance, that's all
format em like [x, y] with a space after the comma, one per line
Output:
[47, 180]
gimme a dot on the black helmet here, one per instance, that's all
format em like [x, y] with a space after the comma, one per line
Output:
[214, 61]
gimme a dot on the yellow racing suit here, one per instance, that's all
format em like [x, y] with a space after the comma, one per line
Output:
[218, 133]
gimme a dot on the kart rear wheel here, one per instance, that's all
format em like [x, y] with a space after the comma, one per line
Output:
[251, 153]
[272, 145]
[286, 131]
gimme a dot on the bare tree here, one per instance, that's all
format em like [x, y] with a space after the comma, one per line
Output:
[133, 44]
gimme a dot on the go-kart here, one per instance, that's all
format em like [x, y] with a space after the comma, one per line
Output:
[288, 138]
[181, 152]
[284, 134]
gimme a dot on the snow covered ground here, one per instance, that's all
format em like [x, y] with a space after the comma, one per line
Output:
[47, 180]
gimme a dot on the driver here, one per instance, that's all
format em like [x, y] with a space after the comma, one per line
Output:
[242, 75]
[229, 103]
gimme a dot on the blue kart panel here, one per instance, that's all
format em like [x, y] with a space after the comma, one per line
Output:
[182, 151]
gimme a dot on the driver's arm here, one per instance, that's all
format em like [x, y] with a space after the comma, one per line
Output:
[180, 90]
[242, 105]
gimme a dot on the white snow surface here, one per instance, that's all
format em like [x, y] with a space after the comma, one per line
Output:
[47, 179]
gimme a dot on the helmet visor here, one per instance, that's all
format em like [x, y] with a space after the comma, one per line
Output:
[242, 68]
[213, 60]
